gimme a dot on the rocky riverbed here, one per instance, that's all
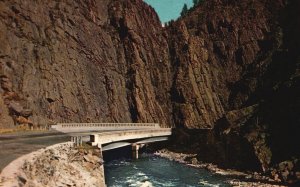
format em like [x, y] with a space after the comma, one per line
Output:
[238, 178]
[58, 165]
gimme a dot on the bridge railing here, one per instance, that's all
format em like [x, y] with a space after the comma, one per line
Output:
[79, 125]
[84, 127]
[122, 133]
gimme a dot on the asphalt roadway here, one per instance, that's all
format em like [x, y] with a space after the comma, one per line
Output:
[15, 145]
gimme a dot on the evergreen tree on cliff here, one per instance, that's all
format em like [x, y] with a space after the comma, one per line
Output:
[184, 10]
[196, 2]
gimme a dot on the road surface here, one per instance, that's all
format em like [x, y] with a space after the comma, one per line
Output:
[15, 145]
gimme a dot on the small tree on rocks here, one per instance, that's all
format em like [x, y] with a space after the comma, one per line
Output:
[196, 2]
[184, 10]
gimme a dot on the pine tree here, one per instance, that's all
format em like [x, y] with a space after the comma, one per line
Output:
[184, 10]
[197, 2]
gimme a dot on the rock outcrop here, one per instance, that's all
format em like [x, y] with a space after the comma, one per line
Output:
[83, 61]
[57, 165]
[65, 166]
[252, 68]
[227, 68]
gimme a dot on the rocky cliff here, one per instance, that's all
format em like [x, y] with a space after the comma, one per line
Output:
[82, 61]
[238, 65]
[227, 68]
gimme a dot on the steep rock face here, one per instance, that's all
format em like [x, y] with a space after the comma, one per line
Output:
[195, 102]
[219, 50]
[253, 69]
[146, 57]
[82, 61]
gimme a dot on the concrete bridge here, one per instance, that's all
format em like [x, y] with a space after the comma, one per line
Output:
[107, 136]
[136, 138]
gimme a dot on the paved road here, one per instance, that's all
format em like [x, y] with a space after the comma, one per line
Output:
[13, 146]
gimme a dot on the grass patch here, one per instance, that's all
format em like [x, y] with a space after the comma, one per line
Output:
[86, 146]
[20, 129]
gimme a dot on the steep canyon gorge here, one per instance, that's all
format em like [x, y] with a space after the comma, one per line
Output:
[226, 75]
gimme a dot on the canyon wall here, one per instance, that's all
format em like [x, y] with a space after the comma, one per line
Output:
[227, 68]
[82, 61]
[238, 71]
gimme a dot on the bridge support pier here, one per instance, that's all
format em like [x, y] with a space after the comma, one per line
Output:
[100, 151]
[135, 151]
[77, 140]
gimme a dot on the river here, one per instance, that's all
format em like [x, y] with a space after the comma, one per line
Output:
[151, 170]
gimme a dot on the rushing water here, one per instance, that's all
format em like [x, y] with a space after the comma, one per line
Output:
[151, 171]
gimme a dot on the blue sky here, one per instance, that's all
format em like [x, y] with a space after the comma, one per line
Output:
[168, 9]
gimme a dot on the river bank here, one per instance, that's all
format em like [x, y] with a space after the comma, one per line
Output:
[57, 165]
[238, 178]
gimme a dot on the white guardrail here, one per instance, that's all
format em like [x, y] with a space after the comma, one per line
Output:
[80, 127]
